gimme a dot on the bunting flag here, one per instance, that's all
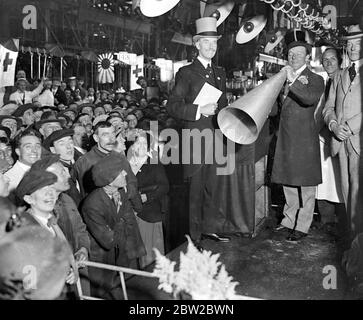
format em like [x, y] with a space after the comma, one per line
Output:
[7, 66]
[105, 66]
[136, 71]
[166, 69]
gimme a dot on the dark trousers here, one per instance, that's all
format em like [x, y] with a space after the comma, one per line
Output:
[201, 205]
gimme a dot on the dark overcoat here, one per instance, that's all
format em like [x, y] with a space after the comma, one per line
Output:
[115, 237]
[297, 154]
[189, 80]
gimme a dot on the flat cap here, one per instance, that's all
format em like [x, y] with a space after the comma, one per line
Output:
[107, 169]
[21, 110]
[55, 136]
[34, 180]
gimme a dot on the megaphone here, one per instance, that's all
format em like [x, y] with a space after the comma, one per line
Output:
[243, 120]
[250, 29]
[155, 8]
[219, 10]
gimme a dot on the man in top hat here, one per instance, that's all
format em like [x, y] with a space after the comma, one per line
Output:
[297, 163]
[189, 80]
[22, 95]
[343, 116]
[110, 219]
[60, 142]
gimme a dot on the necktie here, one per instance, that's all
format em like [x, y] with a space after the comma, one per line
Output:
[23, 100]
[286, 89]
[352, 72]
[209, 70]
[327, 89]
[116, 198]
[52, 221]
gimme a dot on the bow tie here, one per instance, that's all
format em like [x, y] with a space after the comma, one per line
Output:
[52, 221]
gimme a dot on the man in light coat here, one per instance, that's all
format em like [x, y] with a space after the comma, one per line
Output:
[343, 116]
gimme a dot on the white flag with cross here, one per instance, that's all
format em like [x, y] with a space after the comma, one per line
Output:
[136, 71]
[7, 66]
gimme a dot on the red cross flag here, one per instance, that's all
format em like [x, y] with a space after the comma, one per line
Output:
[136, 71]
[105, 66]
[7, 66]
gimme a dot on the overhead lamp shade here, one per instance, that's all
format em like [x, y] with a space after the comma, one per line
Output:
[155, 8]
[219, 10]
[250, 29]
[274, 41]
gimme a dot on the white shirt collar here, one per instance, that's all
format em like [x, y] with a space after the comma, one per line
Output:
[298, 71]
[204, 62]
[24, 166]
[43, 221]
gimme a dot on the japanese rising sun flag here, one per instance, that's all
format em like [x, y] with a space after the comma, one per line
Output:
[105, 66]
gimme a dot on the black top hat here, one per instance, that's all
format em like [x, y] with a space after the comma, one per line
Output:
[296, 38]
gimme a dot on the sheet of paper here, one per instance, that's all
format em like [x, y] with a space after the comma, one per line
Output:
[208, 94]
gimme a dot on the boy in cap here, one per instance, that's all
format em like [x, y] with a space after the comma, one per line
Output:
[61, 143]
[38, 191]
[65, 210]
[109, 216]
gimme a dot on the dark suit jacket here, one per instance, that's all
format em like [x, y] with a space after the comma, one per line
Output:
[69, 221]
[152, 181]
[189, 80]
[61, 97]
[297, 155]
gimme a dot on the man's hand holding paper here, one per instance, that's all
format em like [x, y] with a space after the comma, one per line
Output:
[207, 100]
[208, 109]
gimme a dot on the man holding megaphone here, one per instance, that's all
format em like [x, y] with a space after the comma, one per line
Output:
[297, 163]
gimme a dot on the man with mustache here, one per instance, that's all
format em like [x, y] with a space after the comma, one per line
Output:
[105, 138]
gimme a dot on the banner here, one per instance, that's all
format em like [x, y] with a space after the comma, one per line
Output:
[136, 71]
[7, 66]
[105, 67]
[128, 58]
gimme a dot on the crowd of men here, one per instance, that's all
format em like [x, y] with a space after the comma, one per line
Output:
[65, 164]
